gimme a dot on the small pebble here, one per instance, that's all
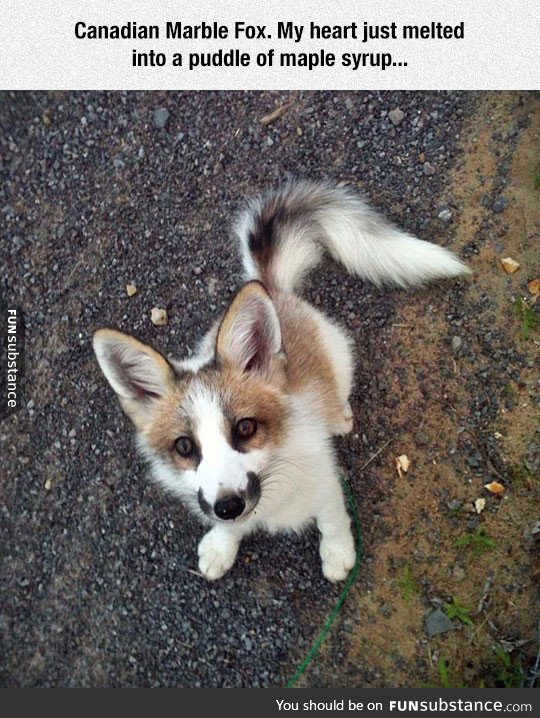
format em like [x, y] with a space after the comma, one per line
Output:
[509, 265]
[445, 215]
[159, 317]
[499, 205]
[161, 116]
[396, 116]
[437, 622]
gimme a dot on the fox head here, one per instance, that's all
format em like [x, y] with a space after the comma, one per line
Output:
[211, 434]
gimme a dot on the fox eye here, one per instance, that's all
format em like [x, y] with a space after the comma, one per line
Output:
[245, 428]
[184, 446]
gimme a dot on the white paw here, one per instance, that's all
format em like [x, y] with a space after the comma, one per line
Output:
[338, 556]
[217, 553]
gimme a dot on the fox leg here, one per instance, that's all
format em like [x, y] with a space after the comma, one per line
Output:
[217, 551]
[337, 549]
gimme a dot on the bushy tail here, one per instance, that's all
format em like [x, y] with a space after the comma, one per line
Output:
[284, 233]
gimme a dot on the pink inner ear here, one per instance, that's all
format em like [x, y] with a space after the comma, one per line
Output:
[259, 346]
[129, 373]
[254, 336]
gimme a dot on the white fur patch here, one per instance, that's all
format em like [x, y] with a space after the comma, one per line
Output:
[221, 469]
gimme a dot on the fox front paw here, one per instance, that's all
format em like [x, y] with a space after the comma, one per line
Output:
[217, 553]
[338, 557]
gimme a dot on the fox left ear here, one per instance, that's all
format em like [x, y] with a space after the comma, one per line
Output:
[138, 374]
[249, 336]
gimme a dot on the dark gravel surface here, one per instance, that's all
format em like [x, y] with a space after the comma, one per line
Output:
[99, 190]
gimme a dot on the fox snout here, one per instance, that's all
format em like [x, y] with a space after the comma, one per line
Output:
[230, 505]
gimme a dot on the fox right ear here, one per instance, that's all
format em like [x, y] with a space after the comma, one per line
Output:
[249, 336]
[138, 374]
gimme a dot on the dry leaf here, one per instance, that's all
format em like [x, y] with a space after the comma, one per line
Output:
[159, 317]
[267, 119]
[509, 265]
[534, 286]
[402, 464]
[131, 289]
[495, 487]
[480, 505]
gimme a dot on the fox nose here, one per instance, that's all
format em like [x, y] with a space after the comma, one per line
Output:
[229, 507]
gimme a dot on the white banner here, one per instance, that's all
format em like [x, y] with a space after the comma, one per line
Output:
[270, 44]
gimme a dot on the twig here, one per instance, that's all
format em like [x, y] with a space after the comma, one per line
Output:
[477, 630]
[368, 462]
[429, 657]
[275, 114]
[195, 573]
[485, 593]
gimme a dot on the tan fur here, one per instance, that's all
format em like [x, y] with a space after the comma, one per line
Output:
[241, 397]
[249, 397]
[308, 364]
[305, 364]
[167, 423]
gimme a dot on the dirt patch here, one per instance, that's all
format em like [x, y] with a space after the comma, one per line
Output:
[460, 400]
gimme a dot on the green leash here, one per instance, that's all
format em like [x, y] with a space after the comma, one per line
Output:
[331, 618]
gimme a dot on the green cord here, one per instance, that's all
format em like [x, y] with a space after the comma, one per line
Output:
[331, 618]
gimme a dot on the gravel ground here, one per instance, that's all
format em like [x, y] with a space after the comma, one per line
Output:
[98, 190]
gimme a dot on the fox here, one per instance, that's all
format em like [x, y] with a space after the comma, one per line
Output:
[241, 432]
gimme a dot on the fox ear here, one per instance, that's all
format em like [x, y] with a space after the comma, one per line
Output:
[249, 336]
[137, 373]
